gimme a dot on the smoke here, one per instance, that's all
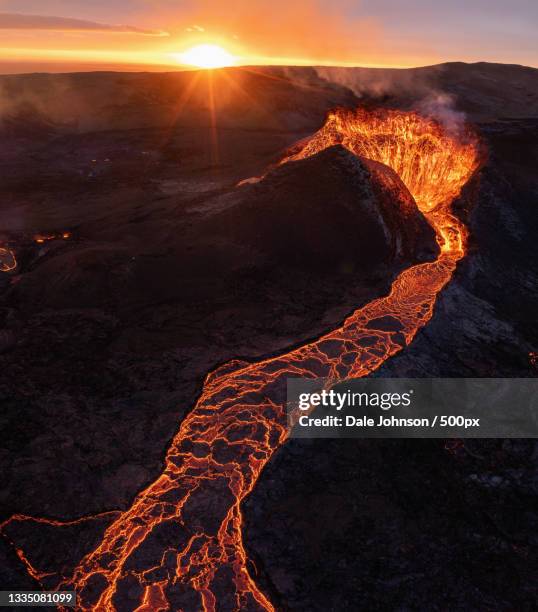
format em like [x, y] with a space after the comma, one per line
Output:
[47, 98]
[378, 82]
[418, 89]
[440, 106]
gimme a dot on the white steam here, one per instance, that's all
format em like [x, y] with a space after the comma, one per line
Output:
[440, 106]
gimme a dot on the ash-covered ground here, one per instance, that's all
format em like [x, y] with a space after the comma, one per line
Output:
[169, 270]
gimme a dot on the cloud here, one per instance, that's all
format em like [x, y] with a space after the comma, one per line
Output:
[17, 21]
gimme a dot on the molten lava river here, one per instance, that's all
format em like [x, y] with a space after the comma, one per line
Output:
[181, 540]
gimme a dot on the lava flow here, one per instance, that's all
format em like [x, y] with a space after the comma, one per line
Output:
[179, 546]
[8, 263]
[42, 238]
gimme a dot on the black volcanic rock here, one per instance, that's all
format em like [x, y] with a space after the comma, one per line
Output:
[395, 525]
[340, 210]
[331, 218]
[330, 215]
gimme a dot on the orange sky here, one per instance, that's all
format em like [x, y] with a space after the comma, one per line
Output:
[71, 34]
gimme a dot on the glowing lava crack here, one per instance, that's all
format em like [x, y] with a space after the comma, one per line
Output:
[8, 263]
[179, 546]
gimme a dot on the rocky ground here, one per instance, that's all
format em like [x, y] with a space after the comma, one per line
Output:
[107, 334]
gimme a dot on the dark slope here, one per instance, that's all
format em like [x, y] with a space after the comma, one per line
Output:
[332, 216]
[239, 98]
[483, 91]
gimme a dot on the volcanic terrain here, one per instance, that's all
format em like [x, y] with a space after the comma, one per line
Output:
[157, 226]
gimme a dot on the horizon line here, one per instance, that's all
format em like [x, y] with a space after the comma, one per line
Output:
[71, 67]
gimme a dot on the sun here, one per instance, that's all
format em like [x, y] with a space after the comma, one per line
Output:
[207, 56]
